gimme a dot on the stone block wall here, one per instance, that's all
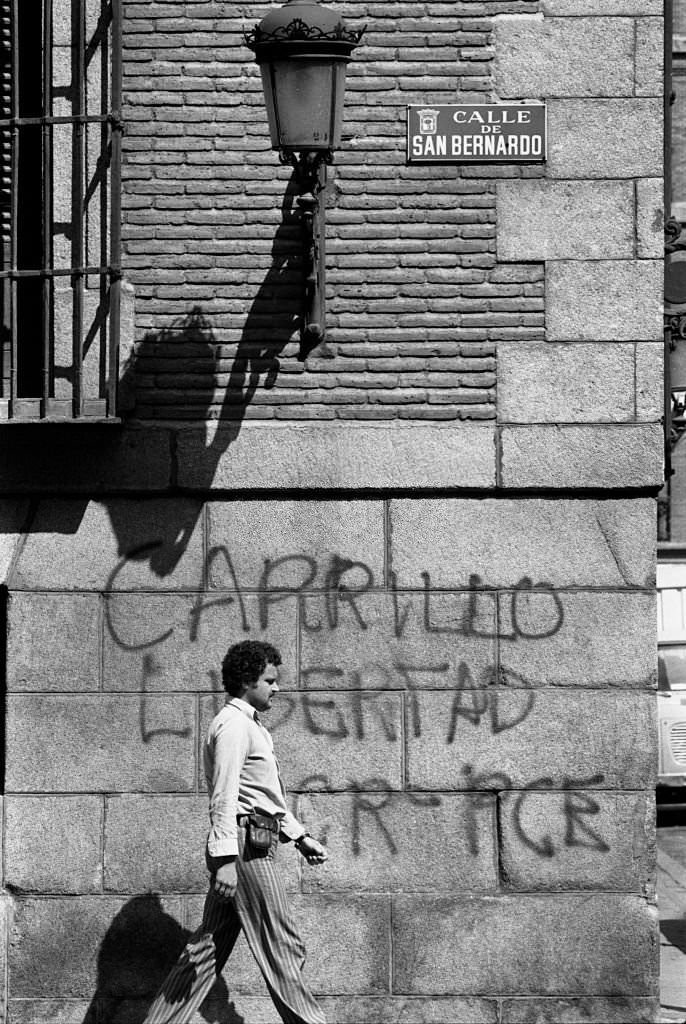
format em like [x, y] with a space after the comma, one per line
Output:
[445, 519]
[466, 717]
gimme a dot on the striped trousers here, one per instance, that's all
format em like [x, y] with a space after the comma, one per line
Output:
[260, 908]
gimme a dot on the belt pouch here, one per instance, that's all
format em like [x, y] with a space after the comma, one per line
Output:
[260, 831]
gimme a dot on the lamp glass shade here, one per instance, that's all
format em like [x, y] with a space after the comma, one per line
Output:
[304, 100]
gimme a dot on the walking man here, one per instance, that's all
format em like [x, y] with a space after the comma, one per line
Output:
[248, 820]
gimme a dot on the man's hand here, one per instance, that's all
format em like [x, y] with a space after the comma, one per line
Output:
[226, 880]
[312, 851]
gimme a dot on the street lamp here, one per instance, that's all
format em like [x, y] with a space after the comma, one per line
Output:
[303, 50]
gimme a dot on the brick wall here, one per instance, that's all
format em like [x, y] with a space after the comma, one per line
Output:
[417, 299]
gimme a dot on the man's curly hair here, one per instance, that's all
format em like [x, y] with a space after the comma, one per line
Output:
[245, 662]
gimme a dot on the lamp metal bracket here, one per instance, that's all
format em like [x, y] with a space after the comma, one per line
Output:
[310, 175]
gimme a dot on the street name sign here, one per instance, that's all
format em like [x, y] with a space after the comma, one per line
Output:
[476, 133]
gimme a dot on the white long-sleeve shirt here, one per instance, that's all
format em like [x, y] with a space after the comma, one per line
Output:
[242, 775]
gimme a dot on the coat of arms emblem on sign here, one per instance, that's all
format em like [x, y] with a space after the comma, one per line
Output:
[428, 121]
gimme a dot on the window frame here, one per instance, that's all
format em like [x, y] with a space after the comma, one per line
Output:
[79, 405]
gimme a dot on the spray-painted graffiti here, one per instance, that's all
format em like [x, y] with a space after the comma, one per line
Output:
[576, 807]
[373, 803]
[336, 591]
[325, 716]
[149, 669]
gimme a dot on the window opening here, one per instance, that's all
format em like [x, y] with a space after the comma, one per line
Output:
[60, 154]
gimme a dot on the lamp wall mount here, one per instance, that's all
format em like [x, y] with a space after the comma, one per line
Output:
[310, 176]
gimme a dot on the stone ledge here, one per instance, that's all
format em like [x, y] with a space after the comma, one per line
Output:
[356, 456]
[298, 456]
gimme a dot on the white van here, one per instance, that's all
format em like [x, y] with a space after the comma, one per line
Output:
[671, 695]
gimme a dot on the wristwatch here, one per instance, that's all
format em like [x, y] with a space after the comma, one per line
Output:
[298, 841]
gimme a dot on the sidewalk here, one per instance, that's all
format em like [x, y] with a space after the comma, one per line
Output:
[671, 889]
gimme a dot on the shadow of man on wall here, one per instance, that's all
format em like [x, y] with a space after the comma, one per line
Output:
[140, 947]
